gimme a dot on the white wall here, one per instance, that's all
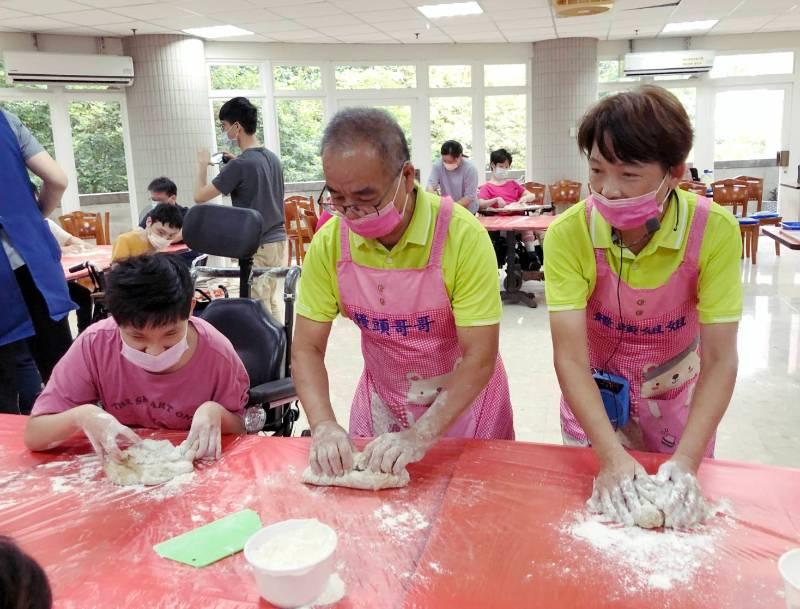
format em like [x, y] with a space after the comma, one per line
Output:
[50, 43]
[773, 41]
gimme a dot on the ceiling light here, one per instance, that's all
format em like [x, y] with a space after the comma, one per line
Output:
[689, 26]
[217, 31]
[452, 9]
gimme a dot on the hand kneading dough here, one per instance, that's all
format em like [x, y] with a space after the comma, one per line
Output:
[148, 462]
[365, 480]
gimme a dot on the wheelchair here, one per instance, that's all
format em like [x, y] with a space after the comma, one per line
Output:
[263, 344]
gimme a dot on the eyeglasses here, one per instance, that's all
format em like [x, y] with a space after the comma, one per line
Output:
[358, 210]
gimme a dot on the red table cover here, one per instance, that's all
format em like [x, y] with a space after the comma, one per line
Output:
[480, 526]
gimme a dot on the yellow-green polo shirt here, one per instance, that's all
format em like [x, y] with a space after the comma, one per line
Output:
[570, 269]
[469, 265]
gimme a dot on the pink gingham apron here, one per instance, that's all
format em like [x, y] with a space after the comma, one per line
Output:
[659, 352]
[410, 346]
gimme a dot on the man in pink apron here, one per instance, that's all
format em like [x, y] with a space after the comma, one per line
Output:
[417, 275]
[643, 284]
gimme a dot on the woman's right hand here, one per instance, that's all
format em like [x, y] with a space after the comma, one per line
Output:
[331, 449]
[614, 494]
[104, 432]
[500, 202]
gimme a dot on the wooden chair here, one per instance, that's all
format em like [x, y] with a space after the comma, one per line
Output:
[755, 190]
[88, 225]
[732, 193]
[696, 187]
[750, 229]
[565, 192]
[298, 229]
[537, 190]
[770, 220]
[307, 205]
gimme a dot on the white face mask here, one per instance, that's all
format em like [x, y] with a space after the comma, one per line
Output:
[501, 173]
[157, 241]
[232, 140]
[156, 363]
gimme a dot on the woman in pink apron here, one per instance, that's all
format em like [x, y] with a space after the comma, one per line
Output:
[425, 376]
[644, 295]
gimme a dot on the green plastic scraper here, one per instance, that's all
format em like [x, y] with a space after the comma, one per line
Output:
[212, 542]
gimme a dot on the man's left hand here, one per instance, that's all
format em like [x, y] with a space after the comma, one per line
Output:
[392, 452]
[205, 435]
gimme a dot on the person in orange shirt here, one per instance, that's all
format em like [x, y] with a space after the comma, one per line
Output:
[162, 227]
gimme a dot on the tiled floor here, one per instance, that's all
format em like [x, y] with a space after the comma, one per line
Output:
[763, 422]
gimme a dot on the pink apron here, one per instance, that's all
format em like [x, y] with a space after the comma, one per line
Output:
[410, 346]
[659, 352]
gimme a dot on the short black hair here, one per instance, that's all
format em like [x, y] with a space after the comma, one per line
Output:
[648, 125]
[373, 126]
[501, 155]
[452, 148]
[163, 184]
[240, 110]
[150, 290]
[23, 582]
[167, 214]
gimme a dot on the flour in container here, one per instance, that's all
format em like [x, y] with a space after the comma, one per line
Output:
[307, 544]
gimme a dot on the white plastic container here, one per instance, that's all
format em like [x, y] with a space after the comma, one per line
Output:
[292, 561]
[789, 567]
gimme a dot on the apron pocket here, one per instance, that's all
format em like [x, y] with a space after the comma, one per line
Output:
[662, 421]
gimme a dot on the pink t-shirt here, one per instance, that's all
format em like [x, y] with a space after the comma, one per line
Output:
[93, 371]
[510, 191]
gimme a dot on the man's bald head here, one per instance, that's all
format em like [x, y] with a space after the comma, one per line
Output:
[356, 127]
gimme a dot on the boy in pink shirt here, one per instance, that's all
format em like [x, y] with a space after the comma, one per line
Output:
[148, 365]
[502, 190]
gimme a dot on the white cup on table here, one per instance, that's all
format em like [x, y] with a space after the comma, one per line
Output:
[789, 567]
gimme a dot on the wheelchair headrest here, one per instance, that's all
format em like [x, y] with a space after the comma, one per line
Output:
[258, 339]
[220, 230]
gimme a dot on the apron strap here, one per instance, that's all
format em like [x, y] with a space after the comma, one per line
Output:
[697, 230]
[440, 232]
[599, 252]
[344, 235]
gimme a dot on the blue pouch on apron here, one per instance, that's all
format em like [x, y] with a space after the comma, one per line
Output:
[615, 392]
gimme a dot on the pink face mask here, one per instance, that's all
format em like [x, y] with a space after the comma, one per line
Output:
[156, 363]
[625, 214]
[381, 222]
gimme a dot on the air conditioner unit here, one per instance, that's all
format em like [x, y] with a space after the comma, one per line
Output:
[65, 69]
[581, 8]
[668, 62]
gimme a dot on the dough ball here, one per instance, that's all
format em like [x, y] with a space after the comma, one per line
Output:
[649, 517]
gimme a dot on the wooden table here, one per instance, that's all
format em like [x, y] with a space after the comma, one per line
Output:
[790, 239]
[481, 526]
[509, 226]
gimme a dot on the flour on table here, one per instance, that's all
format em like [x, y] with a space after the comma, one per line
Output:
[309, 543]
[359, 477]
[399, 523]
[646, 559]
[148, 462]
